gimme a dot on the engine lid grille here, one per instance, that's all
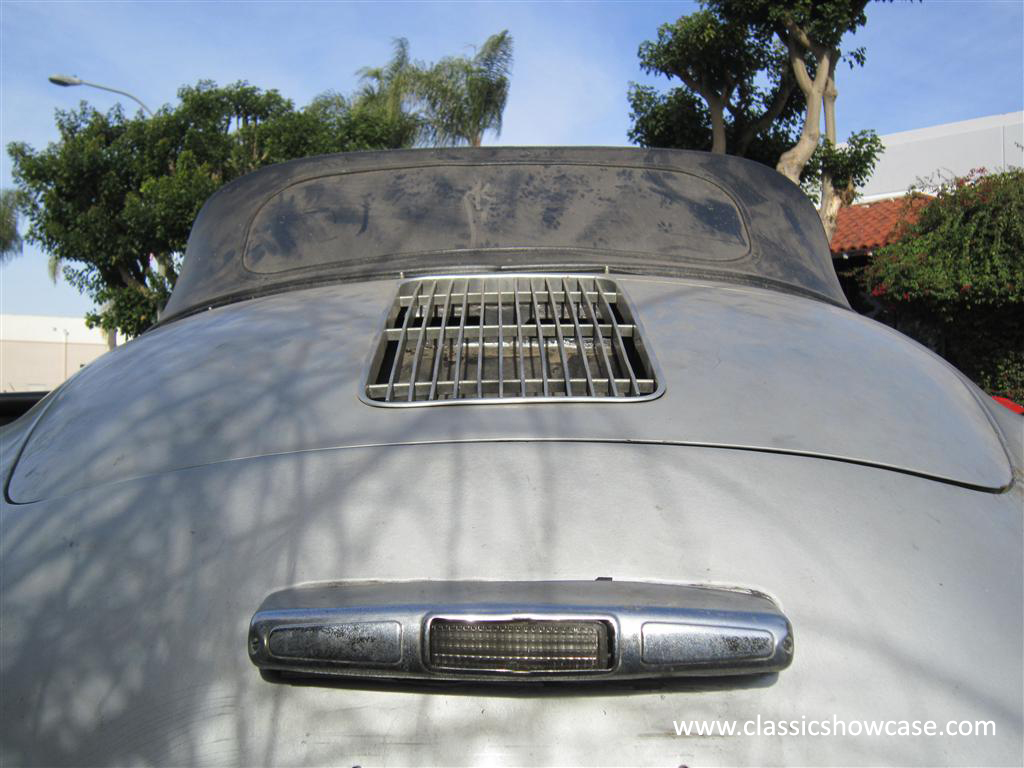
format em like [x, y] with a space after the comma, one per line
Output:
[510, 338]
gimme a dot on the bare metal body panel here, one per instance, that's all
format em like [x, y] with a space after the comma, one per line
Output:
[813, 457]
[126, 607]
[742, 367]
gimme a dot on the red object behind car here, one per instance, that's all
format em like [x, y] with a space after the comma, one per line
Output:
[1009, 404]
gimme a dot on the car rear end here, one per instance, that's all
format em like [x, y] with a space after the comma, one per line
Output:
[542, 504]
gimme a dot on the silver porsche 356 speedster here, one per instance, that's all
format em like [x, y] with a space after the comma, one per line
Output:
[524, 456]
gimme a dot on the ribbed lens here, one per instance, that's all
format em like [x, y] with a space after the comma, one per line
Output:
[519, 646]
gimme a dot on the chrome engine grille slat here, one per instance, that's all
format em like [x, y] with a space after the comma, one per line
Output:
[599, 335]
[403, 335]
[579, 342]
[540, 339]
[619, 346]
[519, 338]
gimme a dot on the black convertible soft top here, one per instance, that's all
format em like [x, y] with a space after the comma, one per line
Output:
[367, 215]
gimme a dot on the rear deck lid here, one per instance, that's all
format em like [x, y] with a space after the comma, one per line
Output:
[739, 368]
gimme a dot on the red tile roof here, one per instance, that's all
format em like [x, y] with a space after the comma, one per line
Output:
[867, 226]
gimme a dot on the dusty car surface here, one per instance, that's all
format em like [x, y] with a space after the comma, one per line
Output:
[514, 456]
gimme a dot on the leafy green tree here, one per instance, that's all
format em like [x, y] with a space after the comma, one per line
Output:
[720, 62]
[958, 273]
[114, 199]
[811, 32]
[680, 119]
[464, 97]
[10, 240]
[721, 52]
[846, 168]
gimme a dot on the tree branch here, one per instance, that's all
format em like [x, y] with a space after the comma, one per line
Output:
[769, 116]
[799, 66]
[830, 95]
[129, 279]
[799, 36]
[716, 108]
[792, 162]
[831, 199]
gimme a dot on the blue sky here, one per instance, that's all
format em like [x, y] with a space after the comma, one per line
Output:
[930, 63]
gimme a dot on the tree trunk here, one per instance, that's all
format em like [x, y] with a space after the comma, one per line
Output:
[717, 110]
[831, 201]
[829, 100]
[828, 210]
[792, 162]
[716, 102]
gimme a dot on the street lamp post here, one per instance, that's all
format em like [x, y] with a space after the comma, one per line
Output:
[69, 80]
[66, 81]
[66, 334]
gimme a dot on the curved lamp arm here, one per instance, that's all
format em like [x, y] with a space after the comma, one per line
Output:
[69, 80]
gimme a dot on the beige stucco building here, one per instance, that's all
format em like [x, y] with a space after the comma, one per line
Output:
[38, 352]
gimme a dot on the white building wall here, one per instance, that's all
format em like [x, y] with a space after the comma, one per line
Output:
[38, 352]
[953, 149]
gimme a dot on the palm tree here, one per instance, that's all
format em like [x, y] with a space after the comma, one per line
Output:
[452, 102]
[463, 97]
[10, 240]
[390, 91]
[389, 86]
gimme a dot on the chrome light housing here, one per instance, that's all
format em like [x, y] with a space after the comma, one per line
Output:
[494, 631]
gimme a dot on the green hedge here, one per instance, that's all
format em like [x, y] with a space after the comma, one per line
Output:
[958, 274]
